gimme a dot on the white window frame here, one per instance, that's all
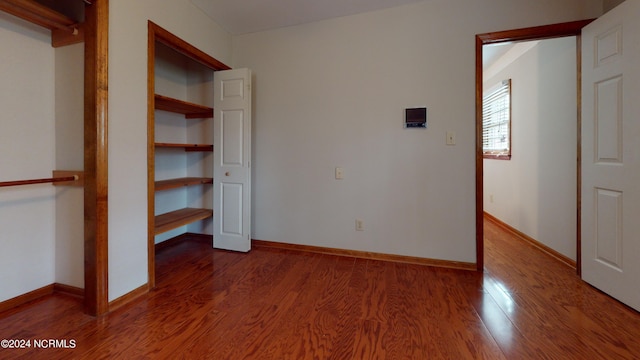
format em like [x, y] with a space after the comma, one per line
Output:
[496, 122]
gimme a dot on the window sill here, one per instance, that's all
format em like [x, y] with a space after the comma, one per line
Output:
[496, 157]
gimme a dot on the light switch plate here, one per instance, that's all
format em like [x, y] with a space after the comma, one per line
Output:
[451, 137]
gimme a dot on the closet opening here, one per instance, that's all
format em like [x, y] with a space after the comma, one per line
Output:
[180, 142]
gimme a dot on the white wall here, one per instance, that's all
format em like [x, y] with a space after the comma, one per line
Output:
[27, 151]
[535, 191]
[610, 4]
[41, 129]
[332, 93]
[69, 143]
[128, 122]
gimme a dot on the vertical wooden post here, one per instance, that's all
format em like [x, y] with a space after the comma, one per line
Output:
[95, 158]
[151, 157]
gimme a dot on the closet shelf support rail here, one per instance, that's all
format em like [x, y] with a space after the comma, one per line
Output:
[36, 13]
[71, 178]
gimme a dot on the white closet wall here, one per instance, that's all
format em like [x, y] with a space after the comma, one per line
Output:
[27, 151]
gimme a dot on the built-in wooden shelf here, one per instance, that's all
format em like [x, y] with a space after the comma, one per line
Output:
[186, 147]
[181, 182]
[189, 110]
[177, 218]
[64, 30]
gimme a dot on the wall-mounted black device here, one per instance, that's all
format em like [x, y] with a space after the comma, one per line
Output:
[415, 118]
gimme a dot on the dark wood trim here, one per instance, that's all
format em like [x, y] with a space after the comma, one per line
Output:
[165, 37]
[151, 154]
[96, 164]
[158, 34]
[25, 298]
[40, 293]
[497, 157]
[573, 28]
[534, 33]
[128, 297]
[61, 38]
[479, 161]
[51, 180]
[168, 184]
[524, 237]
[188, 109]
[76, 175]
[366, 255]
[186, 147]
[180, 217]
[68, 290]
[64, 30]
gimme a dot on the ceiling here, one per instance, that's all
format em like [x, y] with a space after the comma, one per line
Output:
[246, 16]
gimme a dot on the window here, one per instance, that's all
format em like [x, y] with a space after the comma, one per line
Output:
[496, 122]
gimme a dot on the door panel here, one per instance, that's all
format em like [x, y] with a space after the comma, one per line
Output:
[608, 228]
[232, 139]
[232, 160]
[610, 148]
[231, 197]
[608, 120]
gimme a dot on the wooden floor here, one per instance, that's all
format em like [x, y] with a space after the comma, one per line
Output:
[275, 304]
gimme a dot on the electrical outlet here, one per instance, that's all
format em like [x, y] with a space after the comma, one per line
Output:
[339, 173]
[491, 198]
[359, 225]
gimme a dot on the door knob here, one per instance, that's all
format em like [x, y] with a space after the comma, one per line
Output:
[227, 173]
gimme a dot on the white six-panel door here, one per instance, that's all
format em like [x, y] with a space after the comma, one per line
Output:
[232, 160]
[611, 153]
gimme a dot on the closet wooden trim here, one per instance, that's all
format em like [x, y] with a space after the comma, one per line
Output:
[158, 34]
[64, 30]
[165, 37]
[96, 158]
[450, 264]
[55, 288]
[151, 154]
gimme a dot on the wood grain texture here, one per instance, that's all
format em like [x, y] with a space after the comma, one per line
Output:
[165, 37]
[188, 109]
[181, 182]
[96, 157]
[283, 304]
[517, 233]
[151, 153]
[78, 176]
[175, 219]
[25, 298]
[186, 147]
[37, 181]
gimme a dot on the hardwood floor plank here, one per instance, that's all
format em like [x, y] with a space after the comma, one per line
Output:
[284, 304]
[411, 324]
[553, 306]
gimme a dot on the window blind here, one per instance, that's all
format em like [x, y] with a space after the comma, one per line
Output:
[496, 121]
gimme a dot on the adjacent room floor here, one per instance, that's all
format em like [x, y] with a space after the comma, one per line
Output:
[276, 304]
